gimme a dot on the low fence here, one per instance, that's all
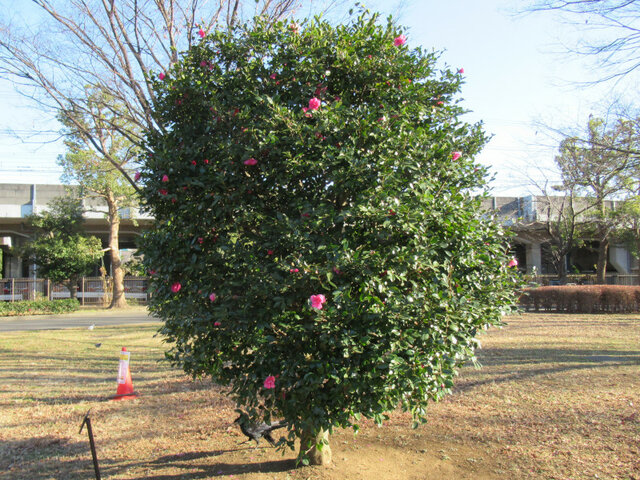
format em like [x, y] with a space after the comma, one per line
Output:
[583, 279]
[91, 290]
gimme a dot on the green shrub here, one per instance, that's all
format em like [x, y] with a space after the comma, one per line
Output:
[39, 307]
[320, 245]
[582, 299]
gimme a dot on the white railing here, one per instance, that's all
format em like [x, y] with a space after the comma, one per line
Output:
[91, 290]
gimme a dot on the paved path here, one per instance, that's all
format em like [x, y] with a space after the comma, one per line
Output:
[80, 319]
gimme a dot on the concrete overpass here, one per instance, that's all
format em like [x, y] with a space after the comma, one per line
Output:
[525, 216]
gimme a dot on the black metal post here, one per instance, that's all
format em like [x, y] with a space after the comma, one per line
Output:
[87, 421]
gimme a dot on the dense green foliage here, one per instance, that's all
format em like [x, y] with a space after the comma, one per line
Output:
[39, 307]
[58, 247]
[320, 166]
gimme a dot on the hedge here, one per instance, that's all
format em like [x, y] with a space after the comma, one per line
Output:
[39, 307]
[582, 299]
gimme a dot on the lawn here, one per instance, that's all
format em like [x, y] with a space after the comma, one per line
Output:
[558, 397]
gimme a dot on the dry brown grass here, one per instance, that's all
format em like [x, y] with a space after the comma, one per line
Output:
[557, 398]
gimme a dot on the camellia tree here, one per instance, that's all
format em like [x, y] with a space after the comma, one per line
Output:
[320, 246]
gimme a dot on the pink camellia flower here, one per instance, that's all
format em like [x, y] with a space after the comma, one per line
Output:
[456, 155]
[293, 270]
[165, 178]
[251, 161]
[136, 176]
[269, 252]
[399, 40]
[461, 70]
[200, 240]
[317, 301]
[161, 76]
[314, 103]
[201, 33]
[270, 382]
[163, 191]
[175, 288]
[513, 262]
[213, 297]
[272, 76]
[216, 324]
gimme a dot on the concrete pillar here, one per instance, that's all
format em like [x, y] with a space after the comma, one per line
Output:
[534, 257]
[14, 267]
[620, 258]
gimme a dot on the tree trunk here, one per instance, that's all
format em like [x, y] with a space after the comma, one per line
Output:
[638, 252]
[601, 267]
[72, 286]
[118, 299]
[561, 269]
[310, 451]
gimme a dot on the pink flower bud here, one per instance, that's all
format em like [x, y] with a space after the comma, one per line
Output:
[212, 297]
[456, 155]
[136, 176]
[161, 76]
[165, 178]
[250, 161]
[175, 288]
[201, 33]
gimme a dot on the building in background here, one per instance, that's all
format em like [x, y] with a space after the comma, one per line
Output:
[19, 200]
[526, 217]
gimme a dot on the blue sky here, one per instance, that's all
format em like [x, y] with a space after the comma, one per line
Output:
[517, 82]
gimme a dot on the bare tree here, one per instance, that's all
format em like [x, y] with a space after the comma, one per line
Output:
[564, 223]
[615, 24]
[78, 51]
[116, 47]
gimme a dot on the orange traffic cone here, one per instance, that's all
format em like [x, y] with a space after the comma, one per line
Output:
[125, 384]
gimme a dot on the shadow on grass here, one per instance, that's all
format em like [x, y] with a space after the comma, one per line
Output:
[184, 462]
[533, 362]
[526, 356]
[41, 457]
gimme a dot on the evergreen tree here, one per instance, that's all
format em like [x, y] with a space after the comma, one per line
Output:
[319, 246]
